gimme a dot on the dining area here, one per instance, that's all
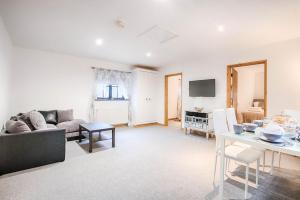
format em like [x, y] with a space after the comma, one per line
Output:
[257, 147]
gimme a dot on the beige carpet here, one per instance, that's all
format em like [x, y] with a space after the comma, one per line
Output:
[148, 163]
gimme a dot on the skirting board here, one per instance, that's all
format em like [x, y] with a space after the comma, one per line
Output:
[148, 124]
[120, 125]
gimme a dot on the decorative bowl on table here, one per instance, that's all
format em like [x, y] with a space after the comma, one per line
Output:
[272, 135]
[298, 129]
[250, 127]
[273, 132]
[259, 123]
[238, 128]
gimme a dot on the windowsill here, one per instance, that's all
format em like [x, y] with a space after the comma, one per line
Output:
[111, 100]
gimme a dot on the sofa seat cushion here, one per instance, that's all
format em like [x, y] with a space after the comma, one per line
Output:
[71, 126]
[51, 126]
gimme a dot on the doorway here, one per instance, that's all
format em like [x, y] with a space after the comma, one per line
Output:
[247, 90]
[173, 100]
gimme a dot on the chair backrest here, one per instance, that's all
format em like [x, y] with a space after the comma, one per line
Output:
[293, 113]
[219, 121]
[231, 118]
[220, 125]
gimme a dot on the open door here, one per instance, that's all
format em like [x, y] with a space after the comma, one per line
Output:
[232, 86]
[234, 89]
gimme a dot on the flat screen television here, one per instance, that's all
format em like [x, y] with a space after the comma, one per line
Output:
[202, 88]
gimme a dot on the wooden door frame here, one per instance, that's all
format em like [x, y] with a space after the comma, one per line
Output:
[167, 95]
[246, 64]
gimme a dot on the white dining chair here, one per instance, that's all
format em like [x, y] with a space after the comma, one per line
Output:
[244, 155]
[231, 121]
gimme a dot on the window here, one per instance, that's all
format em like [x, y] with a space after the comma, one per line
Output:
[111, 92]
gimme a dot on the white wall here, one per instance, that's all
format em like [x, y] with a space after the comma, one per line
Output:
[250, 85]
[246, 89]
[5, 67]
[283, 73]
[174, 83]
[259, 85]
[283, 76]
[197, 70]
[44, 80]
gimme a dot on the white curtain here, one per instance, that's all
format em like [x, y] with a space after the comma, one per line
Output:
[104, 77]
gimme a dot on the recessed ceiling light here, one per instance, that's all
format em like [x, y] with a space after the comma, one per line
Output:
[220, 28]
[99, 42]
[148, 54]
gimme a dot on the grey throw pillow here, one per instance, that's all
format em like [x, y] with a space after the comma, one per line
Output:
[16, 126]
[37, 120]
[65, 115]
[25, 118]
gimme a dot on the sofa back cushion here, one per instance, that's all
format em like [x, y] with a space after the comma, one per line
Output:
[37, 120]
[65, 115]
[16, 126]
[50, 116]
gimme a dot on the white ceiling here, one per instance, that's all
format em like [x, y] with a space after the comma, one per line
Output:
[72, 26]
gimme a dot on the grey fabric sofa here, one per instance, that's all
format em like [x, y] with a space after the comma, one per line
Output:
[32, 149]
[55, 119]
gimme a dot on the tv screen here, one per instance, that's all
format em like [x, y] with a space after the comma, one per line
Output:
[202, 88]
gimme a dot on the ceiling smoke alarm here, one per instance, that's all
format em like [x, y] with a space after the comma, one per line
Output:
[120, 23]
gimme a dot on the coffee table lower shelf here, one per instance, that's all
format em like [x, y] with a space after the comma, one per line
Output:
[97, 127]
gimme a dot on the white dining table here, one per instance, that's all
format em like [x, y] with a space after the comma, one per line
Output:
[253, 140]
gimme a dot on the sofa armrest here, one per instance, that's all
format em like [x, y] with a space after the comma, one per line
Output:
[27, 150]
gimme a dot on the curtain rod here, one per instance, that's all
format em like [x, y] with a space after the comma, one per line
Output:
[109, 69]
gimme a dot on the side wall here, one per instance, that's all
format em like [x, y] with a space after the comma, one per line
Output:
[283, 76]
[43, 81]
[5, 67]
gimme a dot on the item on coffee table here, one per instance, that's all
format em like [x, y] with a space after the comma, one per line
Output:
[199, 109]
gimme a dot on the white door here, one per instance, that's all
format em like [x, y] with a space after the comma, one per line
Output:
[152, 80]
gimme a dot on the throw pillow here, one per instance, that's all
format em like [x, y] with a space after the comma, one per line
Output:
[37, 120]
[25, 118]
[16, 126]
[65, 115]
[50, 116]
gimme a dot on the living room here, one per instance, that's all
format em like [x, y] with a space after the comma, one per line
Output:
[101, 69]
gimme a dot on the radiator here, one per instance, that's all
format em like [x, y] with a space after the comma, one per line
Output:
[112, 112]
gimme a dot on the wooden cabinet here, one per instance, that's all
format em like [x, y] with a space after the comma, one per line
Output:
[144, 96]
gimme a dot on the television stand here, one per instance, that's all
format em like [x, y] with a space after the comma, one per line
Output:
[200, 121]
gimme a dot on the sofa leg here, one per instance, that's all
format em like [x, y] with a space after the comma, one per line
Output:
[90, 142]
